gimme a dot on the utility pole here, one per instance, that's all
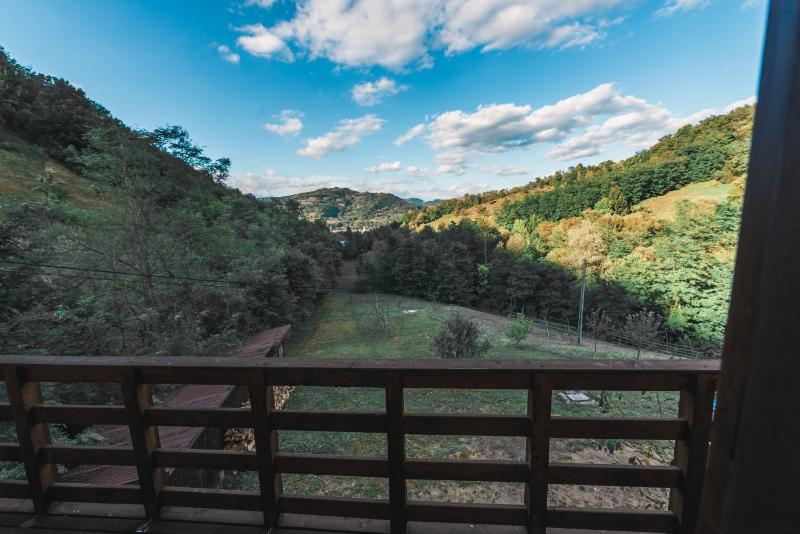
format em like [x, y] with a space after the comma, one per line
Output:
[580, 307]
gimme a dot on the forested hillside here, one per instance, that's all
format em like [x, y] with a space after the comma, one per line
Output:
[119, 241]
[342, 208]
[656, 233]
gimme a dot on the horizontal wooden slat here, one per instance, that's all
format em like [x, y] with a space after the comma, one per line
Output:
[328, 421]
[666, 476]
[332, 465]
[6, 415]
[10, 452]
[206, 459]
[210, 498]
[77, 414]
[607, 519]
[334, 506]
[617, 427]
[14, 489]
[75, 492]
[566, 374]
[491, 514]
[199, 417]
[468, 425]
[495, 471]
[64, 454]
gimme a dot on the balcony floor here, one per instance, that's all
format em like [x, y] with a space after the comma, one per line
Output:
[16, 517]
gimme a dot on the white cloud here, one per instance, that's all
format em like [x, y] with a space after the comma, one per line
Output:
[261, 42]
[265, 4]
[371, 93]
[288, 122]
[227, 55]
[416, 172]
[347, 133]
[398, 33]
[504, 170]
[674, 6]
[271, 183]
[385, 167]
[638, 128]
[411, 134]
[581, 126]
[749, 101]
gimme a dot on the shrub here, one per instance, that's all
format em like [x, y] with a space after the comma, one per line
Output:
[519, 328]
[460, 337]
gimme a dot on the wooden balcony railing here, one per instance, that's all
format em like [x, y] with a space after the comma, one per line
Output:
[694, 379]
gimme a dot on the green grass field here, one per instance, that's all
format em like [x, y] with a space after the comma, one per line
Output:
[345, 326]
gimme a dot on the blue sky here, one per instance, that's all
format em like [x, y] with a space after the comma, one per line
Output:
[427, 98]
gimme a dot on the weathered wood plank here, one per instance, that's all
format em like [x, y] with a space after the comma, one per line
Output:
[492, 514]
[314, 464]
[23, 394]
[261, 404]
[96, 493]
[335, 506]
[478, 470]
[538, 452]
[666, 476]
[15, 489]
[396, 453]
[138, 398]
[605, 519]
[691, 454]
[617, 427]
[208, 498]
[76, 414]
[10, 452]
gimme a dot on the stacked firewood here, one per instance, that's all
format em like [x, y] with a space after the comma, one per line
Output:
[243, 439]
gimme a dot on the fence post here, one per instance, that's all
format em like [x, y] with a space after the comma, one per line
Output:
[538, 452]
[396, 456]
[22, 395]
[144, 439]
[261, 405]
[691, 454]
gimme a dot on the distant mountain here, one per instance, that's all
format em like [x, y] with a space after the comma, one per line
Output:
[423, 203]
[340, 207]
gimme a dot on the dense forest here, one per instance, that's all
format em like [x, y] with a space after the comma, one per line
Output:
[121, 241]
[677, 263]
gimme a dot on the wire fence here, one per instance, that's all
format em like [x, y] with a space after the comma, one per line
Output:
[619, 337]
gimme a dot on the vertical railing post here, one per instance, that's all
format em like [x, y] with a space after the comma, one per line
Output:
[691, 454]
[538, 452]
[145, 440]
[396, 455]
[22, 395]
[270, 484]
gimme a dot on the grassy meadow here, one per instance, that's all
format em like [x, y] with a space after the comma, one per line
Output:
[345, 326]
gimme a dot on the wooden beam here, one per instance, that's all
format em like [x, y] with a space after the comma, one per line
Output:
[138, 398]
[396, 453]
[750, 487]
[261, 404]
[538, 452]
[22, 395]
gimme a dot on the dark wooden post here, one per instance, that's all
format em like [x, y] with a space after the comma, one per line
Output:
[31, 436]
[538, 453]
[396, 456]
[752, 481]
[144, 439]
[261, 405]
[695, 406]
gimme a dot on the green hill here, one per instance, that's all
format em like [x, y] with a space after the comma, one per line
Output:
[341, 208]
[123, 241]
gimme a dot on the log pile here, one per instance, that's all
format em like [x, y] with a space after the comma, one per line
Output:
[243, 439]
